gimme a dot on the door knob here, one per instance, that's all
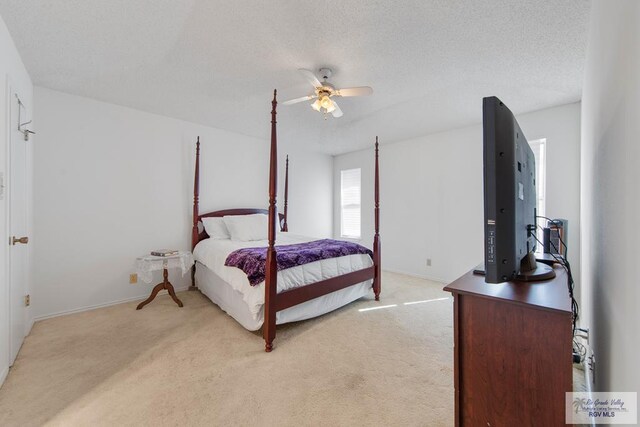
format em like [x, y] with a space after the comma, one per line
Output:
[24, 240]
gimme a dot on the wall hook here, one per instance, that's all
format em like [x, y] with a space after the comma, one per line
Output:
[25, 132]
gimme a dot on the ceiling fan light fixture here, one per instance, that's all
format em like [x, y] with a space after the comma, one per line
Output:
[324, 92]
[325, 102]
[331, 108]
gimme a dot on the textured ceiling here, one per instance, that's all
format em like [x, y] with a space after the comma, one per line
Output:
[216, 62]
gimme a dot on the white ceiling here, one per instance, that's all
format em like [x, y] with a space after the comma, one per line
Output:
[216, 62]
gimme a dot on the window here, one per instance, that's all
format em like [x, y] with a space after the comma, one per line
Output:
[350, 203]
[539, 152]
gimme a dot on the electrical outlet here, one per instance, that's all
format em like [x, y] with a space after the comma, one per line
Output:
[133, 278]
[27, 300]
[428, 262]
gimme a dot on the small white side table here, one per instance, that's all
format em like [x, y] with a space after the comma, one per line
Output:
[147, 264]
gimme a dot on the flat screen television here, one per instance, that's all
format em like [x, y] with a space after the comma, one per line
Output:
[509, 199]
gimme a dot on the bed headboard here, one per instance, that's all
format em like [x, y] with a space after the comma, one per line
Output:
[197, 235]
[202, 234]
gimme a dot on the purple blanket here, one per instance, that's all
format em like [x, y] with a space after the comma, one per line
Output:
[252, 260]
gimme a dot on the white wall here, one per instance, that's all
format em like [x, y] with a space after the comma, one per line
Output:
[431, 195]
[113, 183]
[13, 73]
[610, 193]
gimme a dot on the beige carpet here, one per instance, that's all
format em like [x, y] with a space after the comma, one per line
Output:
[196, 366]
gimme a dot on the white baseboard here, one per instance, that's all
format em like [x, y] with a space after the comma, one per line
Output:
[419, 276]
[30, 323]
[3, 375]
[106, 304]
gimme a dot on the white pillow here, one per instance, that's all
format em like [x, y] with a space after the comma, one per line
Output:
[215, 228]
[245, 228]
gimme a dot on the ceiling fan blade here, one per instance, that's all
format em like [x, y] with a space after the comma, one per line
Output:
[310, 77]
[355, 91]
[337, 112]
[295, 101]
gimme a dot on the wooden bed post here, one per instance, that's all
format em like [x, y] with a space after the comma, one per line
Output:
[194, 230]
[376, 237]
[285, 226]
[271, 267]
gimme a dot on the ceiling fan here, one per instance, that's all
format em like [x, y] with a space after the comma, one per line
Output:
[325, 91]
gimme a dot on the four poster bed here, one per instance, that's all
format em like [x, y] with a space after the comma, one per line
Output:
[261, 284]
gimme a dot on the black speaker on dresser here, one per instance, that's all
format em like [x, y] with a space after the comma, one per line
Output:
[554, 235]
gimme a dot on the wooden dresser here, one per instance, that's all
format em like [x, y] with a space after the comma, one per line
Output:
[513, 351]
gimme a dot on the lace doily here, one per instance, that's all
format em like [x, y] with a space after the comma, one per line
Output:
[146, 265]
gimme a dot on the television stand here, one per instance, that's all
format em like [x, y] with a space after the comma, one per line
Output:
[541, 272]
[543, 269]
[531, 271]
[512, 351]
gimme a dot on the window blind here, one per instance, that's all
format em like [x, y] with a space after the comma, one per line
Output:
[350, 197]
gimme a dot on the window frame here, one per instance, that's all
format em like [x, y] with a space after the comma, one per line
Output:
[539, 148]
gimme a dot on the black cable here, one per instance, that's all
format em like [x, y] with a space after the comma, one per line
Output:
[558, 260]
[574, 304]
[575, 310]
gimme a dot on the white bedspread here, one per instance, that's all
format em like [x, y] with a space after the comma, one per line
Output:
[213, 253]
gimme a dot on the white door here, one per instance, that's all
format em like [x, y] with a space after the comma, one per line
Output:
[17, 228]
